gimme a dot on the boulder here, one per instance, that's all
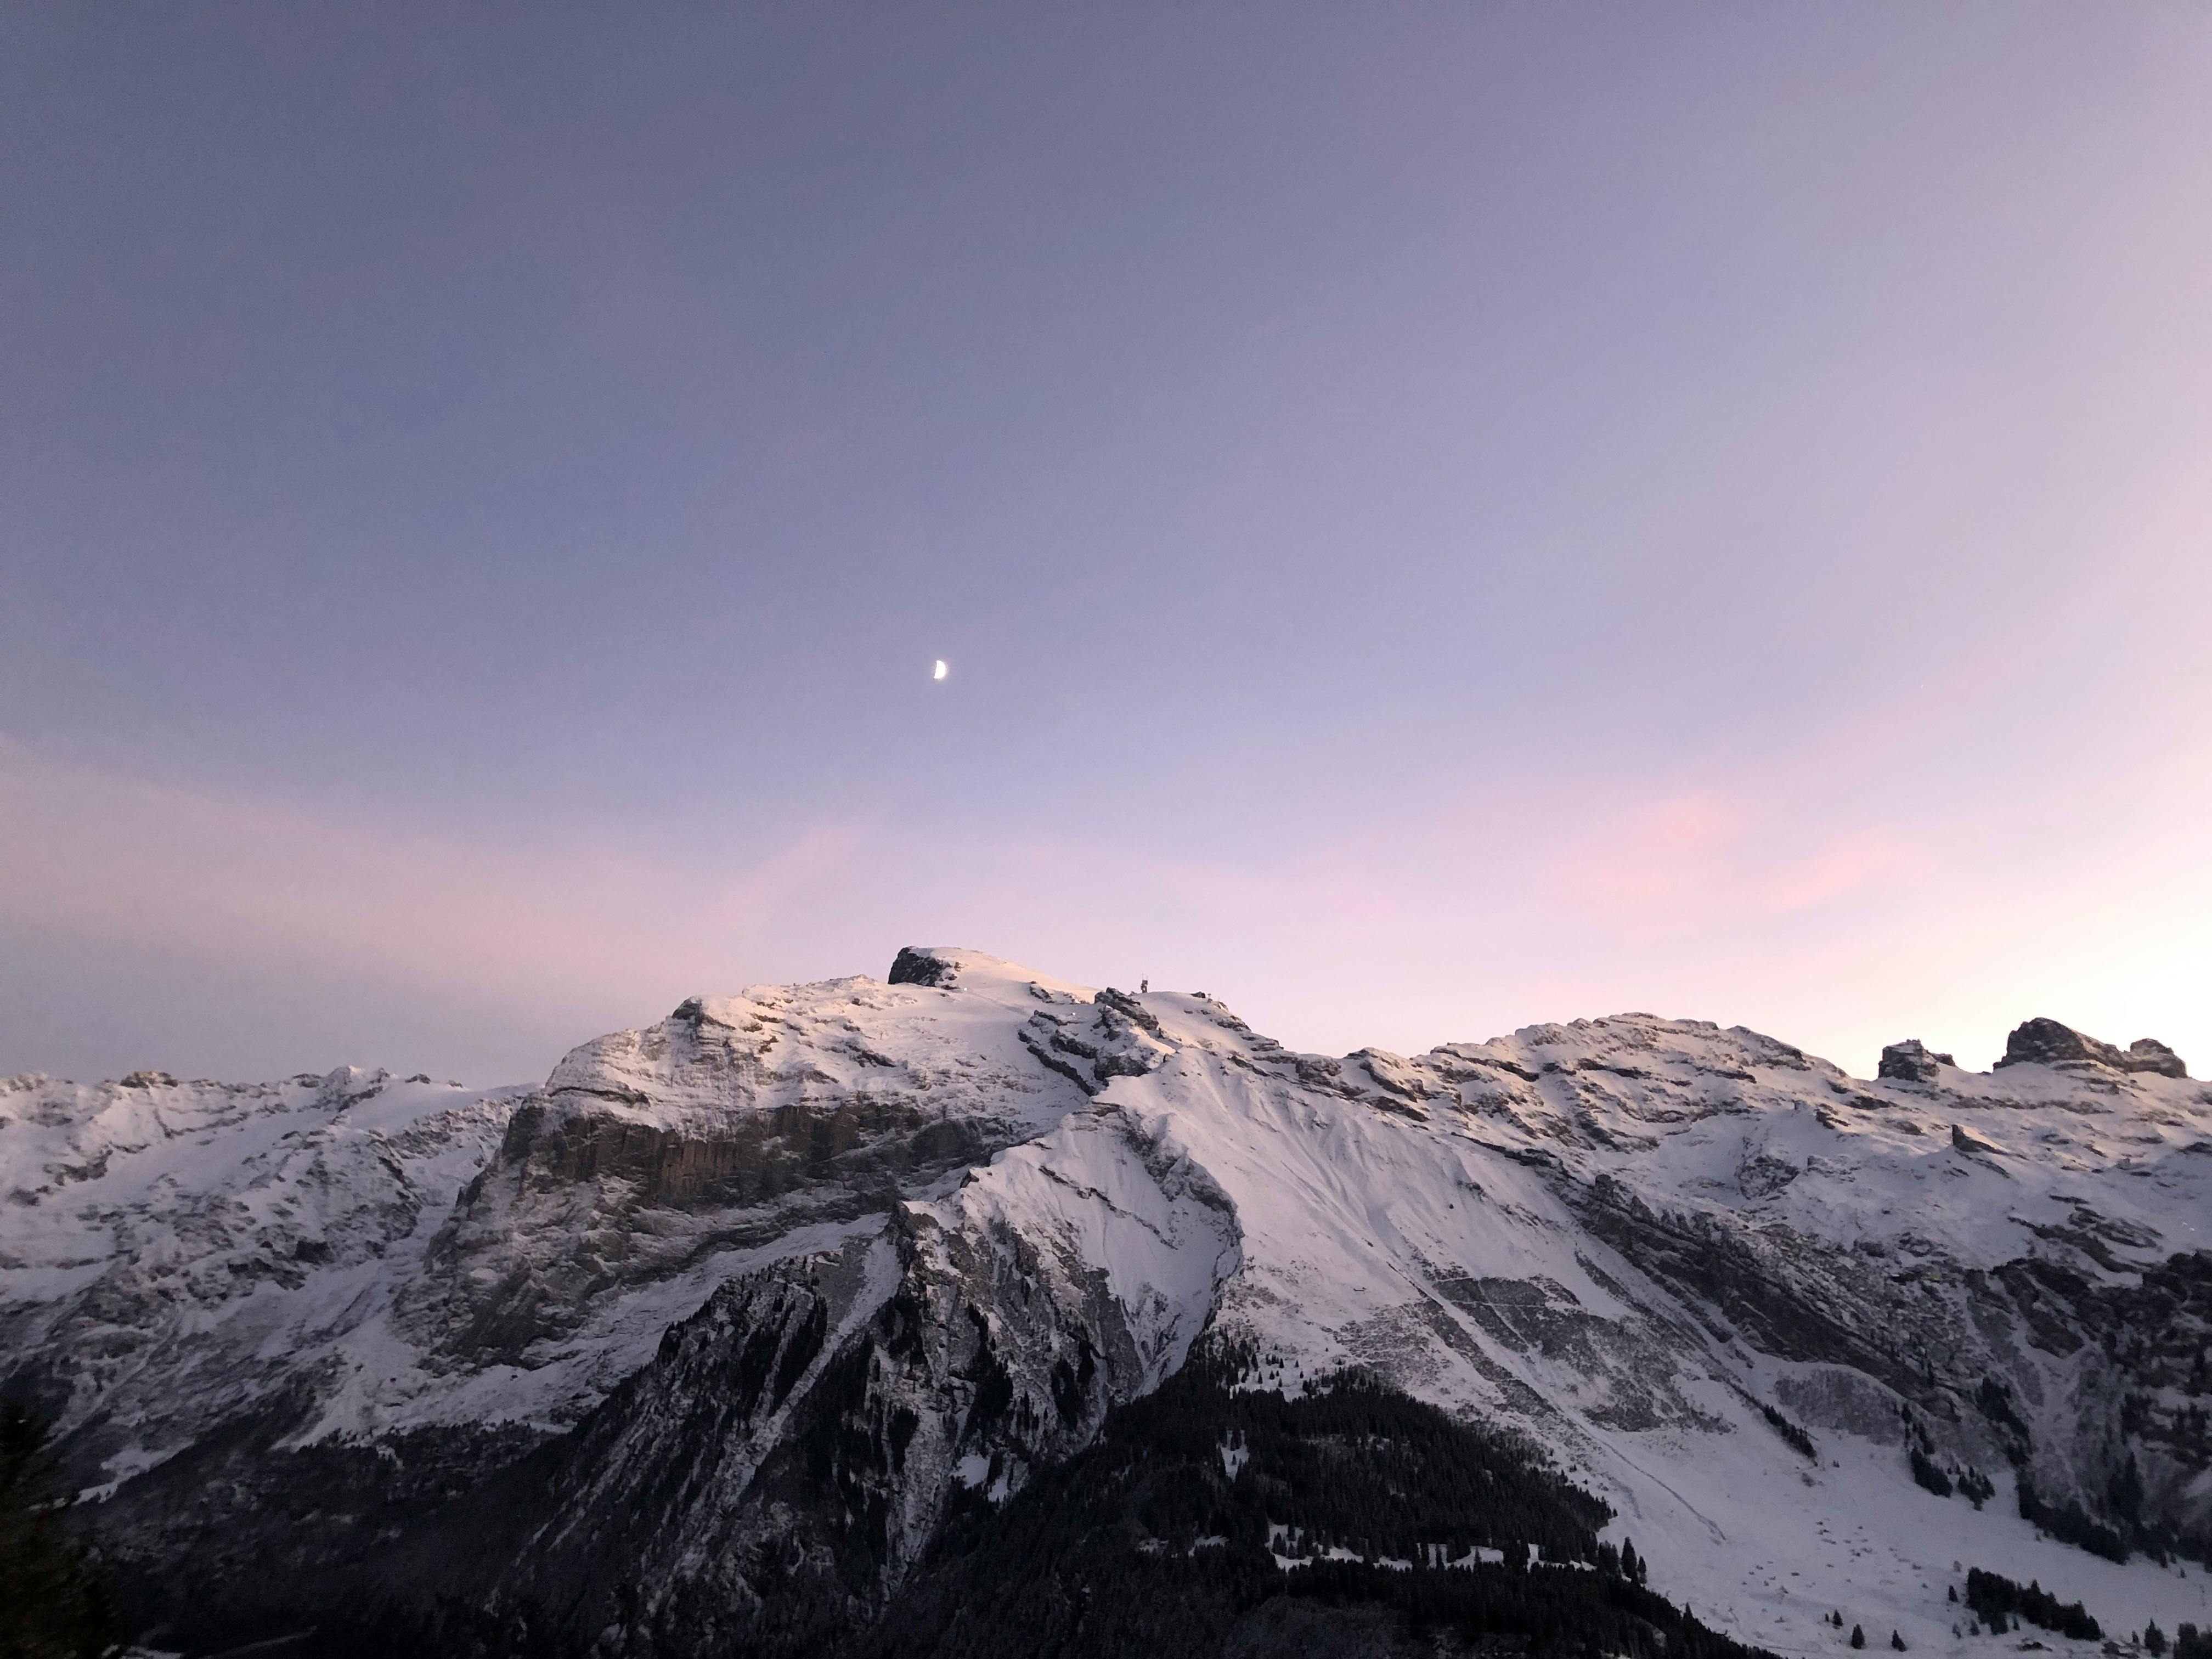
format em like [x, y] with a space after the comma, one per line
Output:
[913, 967]
[1911, 1061]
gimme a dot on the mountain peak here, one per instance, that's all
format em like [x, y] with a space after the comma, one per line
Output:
[776, 1278]
[956, 967]
[2048, 1043]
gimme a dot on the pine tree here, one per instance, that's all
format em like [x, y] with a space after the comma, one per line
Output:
[2153, 1638]
[1858, 1636]
[1897, 1641]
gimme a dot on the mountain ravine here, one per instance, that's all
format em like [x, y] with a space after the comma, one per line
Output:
[744, 1333]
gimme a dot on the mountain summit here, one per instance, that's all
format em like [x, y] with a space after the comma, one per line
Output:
[743, 1331]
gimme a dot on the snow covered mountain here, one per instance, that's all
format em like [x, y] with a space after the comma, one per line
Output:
[717, 1323]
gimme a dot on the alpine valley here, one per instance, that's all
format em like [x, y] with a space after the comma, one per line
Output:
[975, 1312]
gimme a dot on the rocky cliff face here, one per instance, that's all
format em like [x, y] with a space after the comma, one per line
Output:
[698, 1343]
[2046, 1042]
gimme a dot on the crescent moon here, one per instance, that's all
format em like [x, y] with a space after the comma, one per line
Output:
[940, 670]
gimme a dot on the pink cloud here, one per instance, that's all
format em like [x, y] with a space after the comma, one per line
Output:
[1704, 858]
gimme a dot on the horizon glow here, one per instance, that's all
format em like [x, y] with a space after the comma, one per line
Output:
[1450, 520]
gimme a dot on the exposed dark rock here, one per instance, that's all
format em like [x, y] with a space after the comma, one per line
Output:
[2149, 1054]
[2086, 1380]
[913, 967]
[2047, 1042]
[1911, 1061]
[777, 1469]
[1092, 1044]
[1127, 1005]
[1963, 1142]
[1789, 1294]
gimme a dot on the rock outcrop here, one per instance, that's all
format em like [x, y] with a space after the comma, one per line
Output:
[1913, 1061]
[913, 967]
[2047, 1042]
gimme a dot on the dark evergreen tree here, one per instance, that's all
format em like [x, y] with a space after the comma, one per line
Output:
[1929, 1475]
[1145, 1543]
[2126, 1492]
[1999, 1601]
[1897, 1641]
[2153, 1638]
[51, 1606]
[1858, 1636]
[1798, 1439]
[2070, 1523]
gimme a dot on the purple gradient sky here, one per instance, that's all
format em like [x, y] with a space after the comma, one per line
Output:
[1441, 517]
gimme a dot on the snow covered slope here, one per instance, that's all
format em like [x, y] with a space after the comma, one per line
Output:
[764, 1284]
[1630, 1234]
[171, 1252]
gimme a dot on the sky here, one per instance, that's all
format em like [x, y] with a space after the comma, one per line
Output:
[1439, 518]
